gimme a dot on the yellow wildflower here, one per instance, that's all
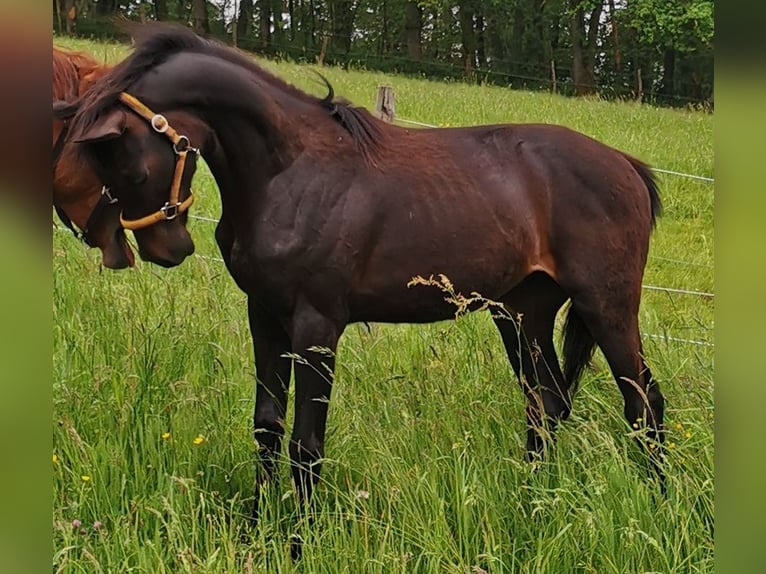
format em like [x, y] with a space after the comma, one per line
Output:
[85, 478]
[166, 435]
[679, 426]
[688, 434]
[55, 459]
[199, 440]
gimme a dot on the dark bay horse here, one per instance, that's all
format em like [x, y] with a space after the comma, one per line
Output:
[328, 214]
[79, 196]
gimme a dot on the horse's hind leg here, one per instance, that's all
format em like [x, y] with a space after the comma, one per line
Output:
[611, 316]
[528, 339]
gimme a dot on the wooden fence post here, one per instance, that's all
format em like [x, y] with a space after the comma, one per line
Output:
[385, 103]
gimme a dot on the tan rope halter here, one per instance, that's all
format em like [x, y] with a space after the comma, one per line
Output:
[181, 147]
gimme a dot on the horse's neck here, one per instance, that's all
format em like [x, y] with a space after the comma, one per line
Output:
[242, 167]
[249, 150]
[251, 118]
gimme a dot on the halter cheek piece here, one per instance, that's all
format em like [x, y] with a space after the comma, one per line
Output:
[181, 147]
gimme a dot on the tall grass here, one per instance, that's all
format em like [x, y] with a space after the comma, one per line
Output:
[425, 471]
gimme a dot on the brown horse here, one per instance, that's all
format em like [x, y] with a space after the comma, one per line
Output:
[328, 214]
[77, 192]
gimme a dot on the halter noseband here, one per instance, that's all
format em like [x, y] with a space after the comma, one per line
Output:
[181, 146]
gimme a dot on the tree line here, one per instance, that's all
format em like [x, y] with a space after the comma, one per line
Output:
[660, 51]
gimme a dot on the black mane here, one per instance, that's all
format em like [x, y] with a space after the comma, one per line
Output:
[156, 43]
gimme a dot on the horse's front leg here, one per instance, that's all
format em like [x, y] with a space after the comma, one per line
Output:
[271, 344]
[315, 339]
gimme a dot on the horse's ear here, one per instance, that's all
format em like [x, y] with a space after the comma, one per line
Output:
[64, 110]
[107, 127]
[87, 80]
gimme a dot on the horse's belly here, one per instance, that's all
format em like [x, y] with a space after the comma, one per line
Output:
[417, 308]
[433, 296]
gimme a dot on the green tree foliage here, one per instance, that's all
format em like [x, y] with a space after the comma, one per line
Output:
[657, 50]
[684, 25]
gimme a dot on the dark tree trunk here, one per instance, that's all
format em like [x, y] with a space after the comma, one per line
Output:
[244, 18]
[584, 47]
[615, 38]
[435, 16]
[161, 10]
[291, 12]
[579, 71]
[669, 72]
[59, 16]
[543, 51]
[182, 11]
[494, 42]
[105, 7]
[264, 22]
[468, 37]
[384, 28]
[200, 22]
[413, 29]
[481, 51]
[70, 13]
[313, 24]
[342, 18]
[276, 20]
[516, 43]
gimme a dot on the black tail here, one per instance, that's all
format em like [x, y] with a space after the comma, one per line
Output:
[578, 348]
[647, 175]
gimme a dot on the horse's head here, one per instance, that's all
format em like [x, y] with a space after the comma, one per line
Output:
[147, 160]
[99, 224]
[77, 201]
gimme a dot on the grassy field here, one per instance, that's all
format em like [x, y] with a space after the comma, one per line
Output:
[425, 471]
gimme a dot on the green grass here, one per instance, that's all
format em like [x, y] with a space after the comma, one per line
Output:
[425, 467]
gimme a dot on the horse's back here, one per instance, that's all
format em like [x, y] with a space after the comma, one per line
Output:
[73, 73]
[489, 205]
[574, 184]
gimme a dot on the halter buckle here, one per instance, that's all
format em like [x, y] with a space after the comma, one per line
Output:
[181, 145]
[111, 200]
[170, 210]
[159, 123]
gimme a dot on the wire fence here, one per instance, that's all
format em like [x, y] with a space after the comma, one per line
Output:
[677, 340]
[666, 338]
[679, 291]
